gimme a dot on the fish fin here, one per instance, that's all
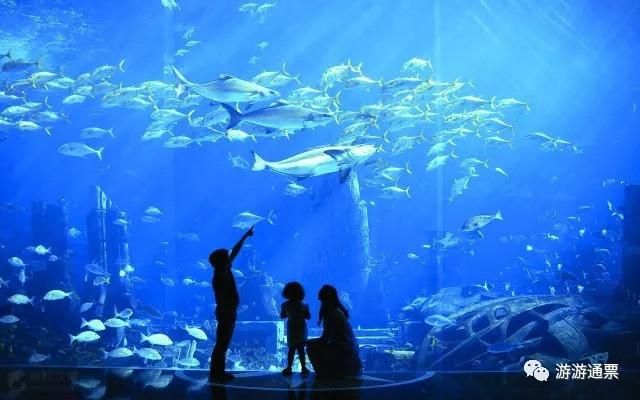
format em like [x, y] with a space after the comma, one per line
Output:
[337, 155]
[407, 192]
[121, 65]
[111, 133]
[105, 354]
[234, 116]
[47, 130]
[71, 339]
[344, 174]
[258, 164]
[99, 152]
[224, 77]
[498, 216]
[83, 323]
[179, 76]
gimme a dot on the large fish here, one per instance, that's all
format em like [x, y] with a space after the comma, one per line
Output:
[229, 89]
[281, 116]
[319, 161]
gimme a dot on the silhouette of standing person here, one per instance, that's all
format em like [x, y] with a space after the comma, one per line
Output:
[227, 300]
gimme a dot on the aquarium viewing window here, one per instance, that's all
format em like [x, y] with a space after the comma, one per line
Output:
[369, 199]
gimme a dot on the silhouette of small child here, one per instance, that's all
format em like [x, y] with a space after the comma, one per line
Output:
[296, 311]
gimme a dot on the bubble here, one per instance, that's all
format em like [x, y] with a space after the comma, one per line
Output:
[530, 366]
[541, 374]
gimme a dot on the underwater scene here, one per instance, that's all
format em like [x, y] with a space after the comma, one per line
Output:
[462, 172]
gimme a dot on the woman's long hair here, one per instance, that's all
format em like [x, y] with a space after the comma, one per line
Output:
[329, 300]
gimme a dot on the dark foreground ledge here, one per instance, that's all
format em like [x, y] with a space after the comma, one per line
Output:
[125, 383]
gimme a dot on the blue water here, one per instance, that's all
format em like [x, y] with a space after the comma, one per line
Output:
[573, 63]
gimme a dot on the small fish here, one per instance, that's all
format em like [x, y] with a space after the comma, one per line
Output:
[413, 256]
[120, 222]
[294, 189]
[159, 339]
[9, 319]
[21, 299]
[196, 332]
[153, 211]
[117, 323]
[81, 150]
[246, 220]
[501, 171]
[36, 358]
[85, 307]
[121, 352]
[74, 233]
[167, 281]
[147, 353]
[16, 262]
[148, 219]
[96, 133]
[102, 280]
[124, 314]
[56, 295]
[395, 192]
[190, 236]
[94, 325]
[84, 337]
[480, 221]
[41, 250]
[95, 269]
[438, 321]
[188, 281]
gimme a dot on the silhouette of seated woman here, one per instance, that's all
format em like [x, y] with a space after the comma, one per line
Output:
[335, 354]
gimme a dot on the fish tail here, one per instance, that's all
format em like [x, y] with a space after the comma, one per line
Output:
[71, 339]
[143, 338]
[84, 323]
[336, 98]
[258, 164]
[271, 217]
[106, 354]
[121, 65]
[234, 116]
[48, 131]
[406, 167]
[498, 216]
[46, 102]
[385, 136]
[189, 116]
[99, 152]
[493, 102]
[407, 192]
[31, 300]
